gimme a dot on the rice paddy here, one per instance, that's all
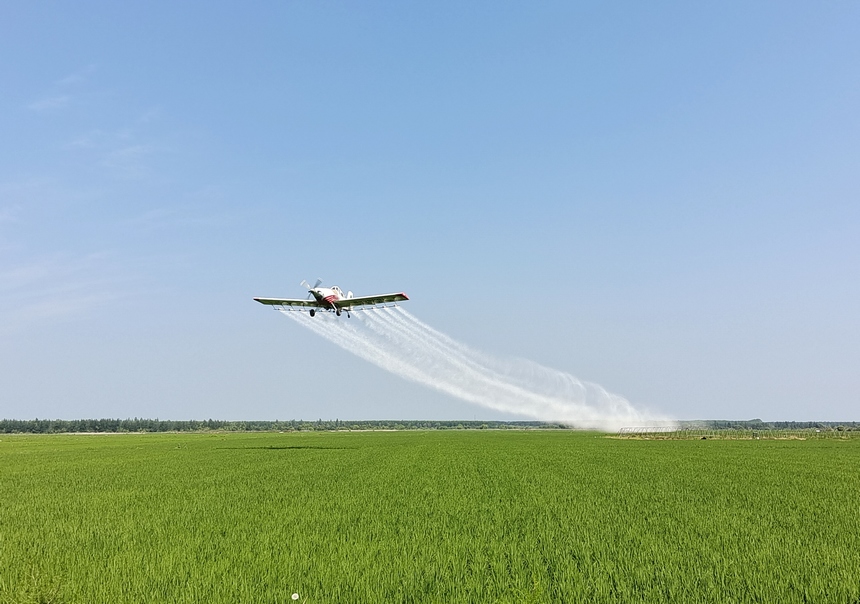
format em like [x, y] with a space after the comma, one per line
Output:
[433, 516]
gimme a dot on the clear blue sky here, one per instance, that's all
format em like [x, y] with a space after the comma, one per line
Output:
[660, 197]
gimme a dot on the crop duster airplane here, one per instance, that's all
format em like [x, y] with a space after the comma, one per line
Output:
[332, 299]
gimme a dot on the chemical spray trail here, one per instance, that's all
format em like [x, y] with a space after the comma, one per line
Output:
[396, 341]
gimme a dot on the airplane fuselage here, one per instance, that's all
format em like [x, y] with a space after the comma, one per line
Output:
[327, 296]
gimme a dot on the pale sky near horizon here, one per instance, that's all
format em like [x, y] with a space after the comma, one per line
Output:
[663, 198]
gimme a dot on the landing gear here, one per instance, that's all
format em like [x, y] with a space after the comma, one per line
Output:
[337, 312]
[313, 311]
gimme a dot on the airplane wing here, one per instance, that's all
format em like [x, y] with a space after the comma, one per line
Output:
[361, 301]
[288, 302]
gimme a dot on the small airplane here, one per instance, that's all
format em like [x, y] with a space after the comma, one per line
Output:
[332, 299]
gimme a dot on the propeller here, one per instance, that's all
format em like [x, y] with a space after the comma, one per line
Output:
[310, 289]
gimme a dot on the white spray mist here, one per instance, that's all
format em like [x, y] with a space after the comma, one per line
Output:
[396, 341]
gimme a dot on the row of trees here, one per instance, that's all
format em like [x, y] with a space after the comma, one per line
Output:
[757, 424]
[59, 426]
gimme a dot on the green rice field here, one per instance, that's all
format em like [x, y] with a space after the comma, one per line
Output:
[427, 516]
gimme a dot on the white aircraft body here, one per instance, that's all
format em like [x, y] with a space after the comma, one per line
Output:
[332, 299]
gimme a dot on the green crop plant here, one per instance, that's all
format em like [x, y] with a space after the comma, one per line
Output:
[433, 516]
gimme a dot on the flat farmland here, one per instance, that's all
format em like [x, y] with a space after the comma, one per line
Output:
[433, 516]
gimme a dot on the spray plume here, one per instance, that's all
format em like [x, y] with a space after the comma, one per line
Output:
[396, 341]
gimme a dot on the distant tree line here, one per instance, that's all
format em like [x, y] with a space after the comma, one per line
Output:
[757, 424]
[60, 426]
